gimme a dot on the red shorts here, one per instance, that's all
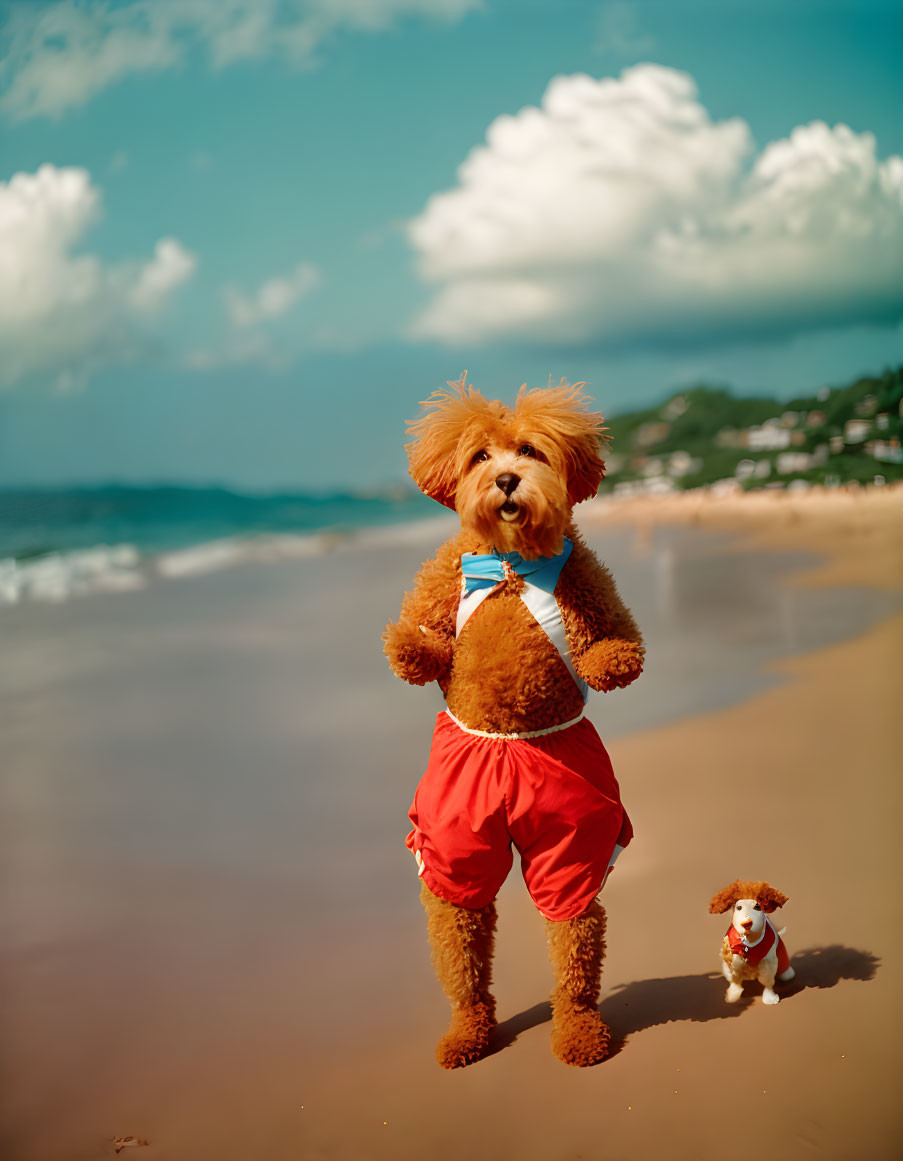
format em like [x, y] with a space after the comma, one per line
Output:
[554, 797]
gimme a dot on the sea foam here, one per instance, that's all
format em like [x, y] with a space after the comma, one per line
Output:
[228, 552]
[57, 576]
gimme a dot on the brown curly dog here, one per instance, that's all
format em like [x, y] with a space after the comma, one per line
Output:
[514, 618]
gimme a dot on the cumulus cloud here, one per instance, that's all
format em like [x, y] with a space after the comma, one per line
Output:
[66, 314]
[58, 55]
[272, 299]
[619, 210]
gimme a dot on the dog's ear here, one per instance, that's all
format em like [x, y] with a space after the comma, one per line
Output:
[432, 454]
[559, 421]
[724, 899]
[769, 898]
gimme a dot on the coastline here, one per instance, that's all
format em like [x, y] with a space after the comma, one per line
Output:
[232, 961]
[777, 520]
[858, 531]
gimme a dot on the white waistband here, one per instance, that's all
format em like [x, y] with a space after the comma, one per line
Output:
[513, 737]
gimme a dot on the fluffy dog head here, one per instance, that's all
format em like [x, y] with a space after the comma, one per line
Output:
[750, 899]
[513, 475]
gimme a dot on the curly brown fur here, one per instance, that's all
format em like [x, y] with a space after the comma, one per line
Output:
[605, 641]
[503, 674]
[513, 475]
[460, 423]
[462, 940]
[768, 897]
[576, 949]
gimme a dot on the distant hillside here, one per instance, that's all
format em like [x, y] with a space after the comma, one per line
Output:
[704, 435]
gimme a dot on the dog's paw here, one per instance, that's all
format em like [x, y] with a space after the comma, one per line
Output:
[416, 655]
[611, 664]
[770, 997]
[733, 993]
[467, 1039]
[580, 1036]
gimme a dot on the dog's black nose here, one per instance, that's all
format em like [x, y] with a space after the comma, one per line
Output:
[507, 481]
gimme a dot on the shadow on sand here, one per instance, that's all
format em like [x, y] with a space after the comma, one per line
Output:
[634, 1007]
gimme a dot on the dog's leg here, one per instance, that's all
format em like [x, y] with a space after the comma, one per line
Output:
[577, 948]
[462, 939]
[766, 979]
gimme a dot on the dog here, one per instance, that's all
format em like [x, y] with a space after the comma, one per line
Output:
[752, 949]
[514, 618]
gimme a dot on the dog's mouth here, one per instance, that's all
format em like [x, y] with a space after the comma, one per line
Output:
[509, 510]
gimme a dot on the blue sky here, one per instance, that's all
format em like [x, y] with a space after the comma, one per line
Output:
[240, 239]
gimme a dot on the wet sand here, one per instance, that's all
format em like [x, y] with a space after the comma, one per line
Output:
[211, 930]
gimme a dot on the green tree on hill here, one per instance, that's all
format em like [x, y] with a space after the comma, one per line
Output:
[711, 425]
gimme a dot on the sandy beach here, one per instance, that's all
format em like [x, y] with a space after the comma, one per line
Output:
[855, 532]
[212, 934]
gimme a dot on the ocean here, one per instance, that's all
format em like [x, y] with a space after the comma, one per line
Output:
[60, 543]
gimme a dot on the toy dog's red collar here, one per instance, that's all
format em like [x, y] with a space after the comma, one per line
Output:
[756, 952]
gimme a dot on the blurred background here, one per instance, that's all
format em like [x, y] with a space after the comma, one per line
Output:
[239, 241]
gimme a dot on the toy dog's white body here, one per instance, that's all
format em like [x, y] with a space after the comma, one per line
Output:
[752, 948]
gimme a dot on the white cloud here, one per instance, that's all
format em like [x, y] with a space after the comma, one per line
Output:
[66, 314]
[59, 55]
[249, 339]
[618, 30]
[240, 348]
[170, 266]
[620, 210]
[272, 299]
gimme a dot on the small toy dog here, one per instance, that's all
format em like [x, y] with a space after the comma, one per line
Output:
[514, 618]
[752, 949]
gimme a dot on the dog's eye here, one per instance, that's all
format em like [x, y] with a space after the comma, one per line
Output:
[527, 449]
[757, 908]
[479, 458]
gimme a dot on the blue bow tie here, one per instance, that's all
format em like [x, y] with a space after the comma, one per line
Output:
[486, 570]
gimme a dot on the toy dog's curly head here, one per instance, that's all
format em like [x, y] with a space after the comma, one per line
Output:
[767, 897]
[512, 474]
